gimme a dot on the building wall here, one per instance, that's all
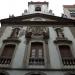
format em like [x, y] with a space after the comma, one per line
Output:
[19, 53]
[19, 64]
[54, 54]
[55, 58]
[67, 12]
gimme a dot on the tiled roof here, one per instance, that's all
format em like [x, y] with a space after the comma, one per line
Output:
[69, 6]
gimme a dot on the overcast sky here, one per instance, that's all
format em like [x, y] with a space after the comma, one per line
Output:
[17, 7]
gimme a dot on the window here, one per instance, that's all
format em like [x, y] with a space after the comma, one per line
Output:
[65, 51]
[72, 13]
[38, 8]
[70, 73]
[67, 57]
[7, 54]
[36, 54]
[36, 50]
[15, 32]
[2, 74]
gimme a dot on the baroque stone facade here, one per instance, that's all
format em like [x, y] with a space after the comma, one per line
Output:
[37, 43]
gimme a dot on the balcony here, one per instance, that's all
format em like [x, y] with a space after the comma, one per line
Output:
[36, 61]
[68, 61]
[5, 60]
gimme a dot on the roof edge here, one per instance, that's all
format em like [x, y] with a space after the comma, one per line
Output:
[38, 3]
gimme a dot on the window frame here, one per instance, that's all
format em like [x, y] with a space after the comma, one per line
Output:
[69, 73]
[27, 54]
[38, 8]
[4, 72]
[35, 57]
[57, 48]
[72, 13]
[70, 50]
[36, 51]
[3, 45]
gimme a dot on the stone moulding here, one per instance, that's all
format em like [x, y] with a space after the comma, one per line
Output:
[11, 40]
[62, 40]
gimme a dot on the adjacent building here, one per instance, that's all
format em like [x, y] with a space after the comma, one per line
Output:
[69, 11]
[37, 43]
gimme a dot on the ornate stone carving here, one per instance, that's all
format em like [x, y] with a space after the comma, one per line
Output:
[59, 32]
[37, 31]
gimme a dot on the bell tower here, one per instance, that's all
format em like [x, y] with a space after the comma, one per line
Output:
[37, 7]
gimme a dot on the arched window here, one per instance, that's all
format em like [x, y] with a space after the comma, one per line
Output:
[36, 53]
[7, 54]
[38, 8]
[65, 51]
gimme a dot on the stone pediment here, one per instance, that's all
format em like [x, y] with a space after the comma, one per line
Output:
[36, 18]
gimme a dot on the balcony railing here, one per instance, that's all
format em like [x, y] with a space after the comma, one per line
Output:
[68, 61]
[5, 60]
[36, 61]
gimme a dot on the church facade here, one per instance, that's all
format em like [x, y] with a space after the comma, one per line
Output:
[37, 43]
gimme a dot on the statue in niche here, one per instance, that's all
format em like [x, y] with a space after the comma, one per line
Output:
[15, 32]
[59, 32]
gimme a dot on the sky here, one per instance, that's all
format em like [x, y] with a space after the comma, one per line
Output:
[17, 7]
